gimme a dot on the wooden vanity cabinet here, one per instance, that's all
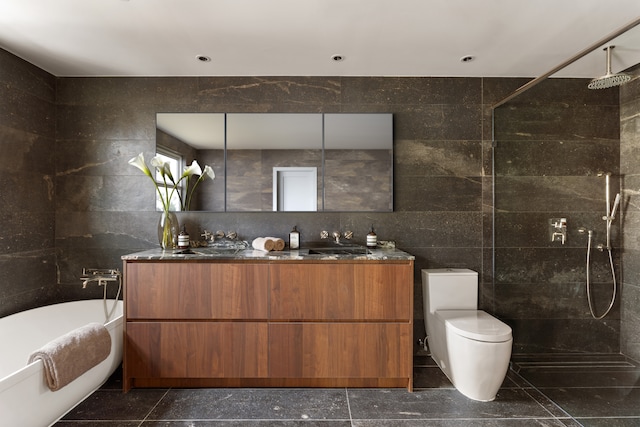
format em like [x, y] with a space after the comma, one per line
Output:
[268, 324]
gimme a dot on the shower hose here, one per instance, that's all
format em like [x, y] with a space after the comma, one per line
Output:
[613, 275]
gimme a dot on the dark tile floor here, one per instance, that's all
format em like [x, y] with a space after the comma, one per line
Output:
[552, 391]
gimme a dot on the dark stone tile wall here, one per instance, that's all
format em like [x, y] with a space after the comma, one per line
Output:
[27, 191]
[442, 183]
[108, 205]
[550, 144]
[630, 170]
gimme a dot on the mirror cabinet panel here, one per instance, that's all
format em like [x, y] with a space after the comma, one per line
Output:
[286, 161]
[358, 162]
[259, 143]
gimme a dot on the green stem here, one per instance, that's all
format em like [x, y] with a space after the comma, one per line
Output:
[190, 193]
[174, 189]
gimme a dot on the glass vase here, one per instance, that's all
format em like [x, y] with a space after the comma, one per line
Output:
[168, 230]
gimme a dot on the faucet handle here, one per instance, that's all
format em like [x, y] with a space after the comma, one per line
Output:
[348, 234]
[206, 234]
[324, 234]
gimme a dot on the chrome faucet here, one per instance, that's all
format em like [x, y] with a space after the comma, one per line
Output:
[348, 235]
[211, 238]
[206, 234]
[102, 276]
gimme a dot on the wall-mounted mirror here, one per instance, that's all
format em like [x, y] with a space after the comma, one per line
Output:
[286, 161]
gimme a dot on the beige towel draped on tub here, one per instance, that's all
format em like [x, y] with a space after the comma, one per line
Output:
[73, 354]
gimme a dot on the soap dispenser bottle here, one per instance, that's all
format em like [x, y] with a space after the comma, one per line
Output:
[372, 239]
[294, 238]
[183, 238]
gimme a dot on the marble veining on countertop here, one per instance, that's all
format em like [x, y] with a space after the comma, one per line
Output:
[253, 254]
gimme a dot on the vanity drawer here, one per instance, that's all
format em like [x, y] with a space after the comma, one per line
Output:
[340, 350]
[196, 291]
[197, 349]
[341, 292]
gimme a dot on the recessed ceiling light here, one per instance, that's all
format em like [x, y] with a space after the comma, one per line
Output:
[467, 58]
[337, 58]
[203, 58]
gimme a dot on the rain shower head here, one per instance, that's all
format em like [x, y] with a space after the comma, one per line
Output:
[609, 79]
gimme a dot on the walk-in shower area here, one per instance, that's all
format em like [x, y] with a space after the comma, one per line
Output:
[557, 163]
[565, 270]
[565, 275]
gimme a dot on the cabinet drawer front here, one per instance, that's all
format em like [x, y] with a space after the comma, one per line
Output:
[196, 350]
[196, 291]
[340, 350]
[341, 292]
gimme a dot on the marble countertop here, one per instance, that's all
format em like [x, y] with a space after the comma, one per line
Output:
[253, 254]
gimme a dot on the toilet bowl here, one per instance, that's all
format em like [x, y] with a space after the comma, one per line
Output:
[470, 346]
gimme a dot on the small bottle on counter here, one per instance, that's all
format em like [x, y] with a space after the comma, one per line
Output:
[183, 238]
[294, 238]
[372, 239]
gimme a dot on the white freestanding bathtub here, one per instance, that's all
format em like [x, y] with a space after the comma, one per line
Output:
[25, 398]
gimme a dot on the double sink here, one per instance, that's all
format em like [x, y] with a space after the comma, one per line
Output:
[321, 248]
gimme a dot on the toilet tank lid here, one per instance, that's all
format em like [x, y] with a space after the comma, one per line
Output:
[448, 271]
[476, 325]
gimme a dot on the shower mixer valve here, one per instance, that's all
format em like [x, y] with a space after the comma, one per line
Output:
[558, 230]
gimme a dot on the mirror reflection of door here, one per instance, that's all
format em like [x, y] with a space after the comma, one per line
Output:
[295, 189]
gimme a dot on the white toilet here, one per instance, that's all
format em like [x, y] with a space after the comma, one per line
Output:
[471, 347]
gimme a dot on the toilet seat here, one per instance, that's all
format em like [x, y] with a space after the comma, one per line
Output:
[475, 324]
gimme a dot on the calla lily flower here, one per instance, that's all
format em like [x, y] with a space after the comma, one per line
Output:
[163, 167]
[157, 162]
[194, 169]
[209, 172]
[139, 162]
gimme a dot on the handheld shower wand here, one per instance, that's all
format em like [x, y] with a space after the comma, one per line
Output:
[611, 210]
[608, 218]
[616, 202]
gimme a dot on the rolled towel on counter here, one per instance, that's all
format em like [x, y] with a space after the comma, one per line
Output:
[73, 354]
[263, 244]
[278, 243]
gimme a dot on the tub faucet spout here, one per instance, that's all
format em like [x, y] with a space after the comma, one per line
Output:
[102, 276]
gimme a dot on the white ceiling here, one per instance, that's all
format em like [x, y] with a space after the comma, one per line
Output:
[510, 38]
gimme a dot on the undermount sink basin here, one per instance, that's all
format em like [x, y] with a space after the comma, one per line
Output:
[209, 251]
[217, 250]
[338, 250]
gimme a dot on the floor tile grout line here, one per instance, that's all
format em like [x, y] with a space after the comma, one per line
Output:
[532, 386]
[154, 407]
[346, 392]
[571, 387]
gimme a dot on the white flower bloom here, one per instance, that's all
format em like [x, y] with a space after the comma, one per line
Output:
[139, 162]
[194, 169]
[157, 162]
[166, 171]
[208, 171]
